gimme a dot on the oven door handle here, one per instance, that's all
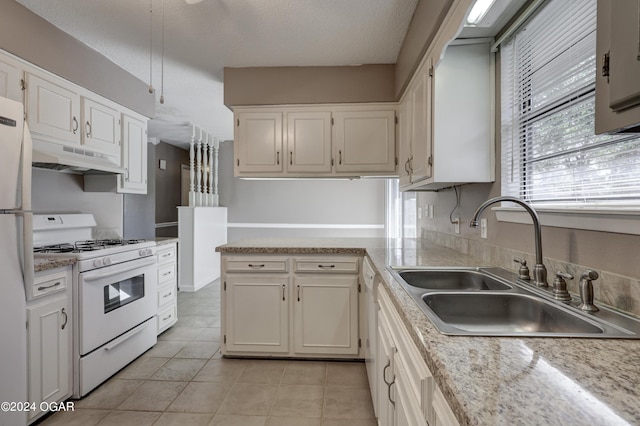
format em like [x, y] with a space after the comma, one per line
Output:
[118, 269]
[120, 340]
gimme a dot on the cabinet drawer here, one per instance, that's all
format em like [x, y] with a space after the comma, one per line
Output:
[50, 283]
[166, 273]
[256, 265]
[329, 265]
[167, 317]
[166, 295]
[167, 254]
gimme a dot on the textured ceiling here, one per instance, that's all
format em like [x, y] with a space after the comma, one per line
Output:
[201, 39]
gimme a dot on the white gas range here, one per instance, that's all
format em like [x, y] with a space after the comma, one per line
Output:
[114, 295]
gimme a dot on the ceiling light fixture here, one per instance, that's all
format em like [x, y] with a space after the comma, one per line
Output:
[192, 1]
[478, 11]
[151, 46]
[162, 60]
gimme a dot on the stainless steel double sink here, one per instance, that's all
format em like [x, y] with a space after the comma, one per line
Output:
[493, 302]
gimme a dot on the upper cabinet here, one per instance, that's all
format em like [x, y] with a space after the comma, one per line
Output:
[315, 141]
[134, 155]
[618, 68]
[447, 121]
[10, 76]
[53, 109]
[101, 126]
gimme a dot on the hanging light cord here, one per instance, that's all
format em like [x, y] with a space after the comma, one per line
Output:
[150, 46]
[162, 60]
[455, 188]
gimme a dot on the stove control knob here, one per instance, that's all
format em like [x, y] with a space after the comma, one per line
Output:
[149, 252]
[142, 253]
[97, 263]
[107, 261]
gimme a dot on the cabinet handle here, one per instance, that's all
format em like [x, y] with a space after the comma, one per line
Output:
[166, 318]
[406, 167]
[326, 266]
[298, 293]
[389, 392]
[384, 372]
[278, 157]
[75, 127]
[340, 157]
[66, 319]
[166, 273]
[165, 255]
[283, 289]
[88, 129]
[44, 287]
[291, 158]
[251, 265]
[168, 295]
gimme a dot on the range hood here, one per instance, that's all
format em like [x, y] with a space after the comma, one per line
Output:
[79, 160]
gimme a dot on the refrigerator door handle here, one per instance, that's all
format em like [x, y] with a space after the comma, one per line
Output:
[27, 250]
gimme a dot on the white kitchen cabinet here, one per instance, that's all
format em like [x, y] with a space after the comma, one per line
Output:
[369, 327]
[53, 109]
[618, 66]
[167, 269]
[256, 313]
[410, 386]
[101, 126]
[450, 111]
[134, 155]
[315, 141]
[309, 142]
[365, 141]
[258, 142]
[10, 76]
[303, 306]
[200, 230]
[49, 322]
[326, 315]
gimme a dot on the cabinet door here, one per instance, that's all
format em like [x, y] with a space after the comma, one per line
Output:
[134, 156]
[53, 109]
[365, 141]
[257, 313]
[309, 142]
[421, 127]
[624, 61]
[49, 352]
[386, 375]
[101, 127]
[326, 315]
[10, 75]
[259, 142]
[408, 411]
[404, 148]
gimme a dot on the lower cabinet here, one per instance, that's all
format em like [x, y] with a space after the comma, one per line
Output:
[294, 307]
[50, 342]
[167, 268]
[407, 393]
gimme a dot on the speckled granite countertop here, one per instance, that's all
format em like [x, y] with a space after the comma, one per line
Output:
[44, 264]
[495, 380]
[161, 241]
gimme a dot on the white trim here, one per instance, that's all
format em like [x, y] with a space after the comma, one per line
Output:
[604, 219]
[303, 225]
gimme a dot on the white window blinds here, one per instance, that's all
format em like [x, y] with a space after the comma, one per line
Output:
[550, 154]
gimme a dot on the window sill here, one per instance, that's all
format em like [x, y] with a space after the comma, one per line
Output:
[622, 220]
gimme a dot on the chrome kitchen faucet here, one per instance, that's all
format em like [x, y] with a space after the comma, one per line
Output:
[539, 270]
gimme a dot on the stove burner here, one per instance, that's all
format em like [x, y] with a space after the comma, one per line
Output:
[55, 248]
[84, 246]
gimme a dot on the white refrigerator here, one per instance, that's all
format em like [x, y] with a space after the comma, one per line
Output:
[16, 256]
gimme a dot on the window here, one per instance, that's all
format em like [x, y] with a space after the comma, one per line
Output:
[550, 155]
[400, 220]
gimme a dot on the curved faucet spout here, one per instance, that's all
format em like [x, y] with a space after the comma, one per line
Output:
[539, 270]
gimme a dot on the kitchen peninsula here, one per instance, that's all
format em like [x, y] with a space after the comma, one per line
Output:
[488, 380]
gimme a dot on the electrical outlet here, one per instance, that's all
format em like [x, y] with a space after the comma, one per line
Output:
[430, 211]
[483, 228]
[456, 225]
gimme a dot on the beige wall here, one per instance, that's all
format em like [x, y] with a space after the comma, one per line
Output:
[308, 85]
[26, 35]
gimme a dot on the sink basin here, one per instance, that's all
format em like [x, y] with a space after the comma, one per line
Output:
[452, 280]
[504, 314]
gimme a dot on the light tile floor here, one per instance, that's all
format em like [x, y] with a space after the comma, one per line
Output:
[184, 381]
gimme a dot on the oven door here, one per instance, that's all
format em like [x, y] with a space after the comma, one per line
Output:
[114, 299]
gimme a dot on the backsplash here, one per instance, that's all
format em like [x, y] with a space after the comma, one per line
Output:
[620, 292]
